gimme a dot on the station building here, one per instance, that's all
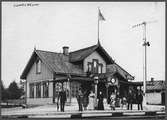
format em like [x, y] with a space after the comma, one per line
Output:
[47, 71]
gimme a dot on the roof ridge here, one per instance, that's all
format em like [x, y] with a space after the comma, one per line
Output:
[49, 51]
[83, 49]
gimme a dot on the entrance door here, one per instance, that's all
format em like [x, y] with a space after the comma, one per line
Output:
[163, 98]
[101, 87]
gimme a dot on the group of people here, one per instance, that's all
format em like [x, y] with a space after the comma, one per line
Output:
[86, 100]
[133, 97]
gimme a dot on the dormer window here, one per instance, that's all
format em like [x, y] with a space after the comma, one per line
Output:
[38, 66]
[95, 66]
[89, 66]
[100, 67]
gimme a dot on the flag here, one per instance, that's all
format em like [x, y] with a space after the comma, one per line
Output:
[101, 16]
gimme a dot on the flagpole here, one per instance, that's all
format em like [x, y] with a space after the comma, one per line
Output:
[98, 26]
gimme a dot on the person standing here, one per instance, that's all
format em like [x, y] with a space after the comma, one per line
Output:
[123, 102]
[112, 101]
[91, 104]
[80, 99]
[85, 100]
[130, 99]
[58, 103]
[62, 98]
[139, 99]
[100, 101]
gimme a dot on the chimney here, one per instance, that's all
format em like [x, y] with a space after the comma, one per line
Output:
[152, 79]
[65, 50]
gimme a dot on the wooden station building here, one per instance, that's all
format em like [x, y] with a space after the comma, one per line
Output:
[46, 71]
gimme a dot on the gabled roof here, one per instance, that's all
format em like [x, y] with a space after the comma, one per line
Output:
[155, 85]
[56, 62]
[81, 54]
[117, 69]
[64, 64]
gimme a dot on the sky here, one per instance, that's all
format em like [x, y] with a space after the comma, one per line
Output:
[52, 25]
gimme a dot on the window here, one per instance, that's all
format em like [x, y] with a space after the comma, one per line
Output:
[45, 89]
[100, 67]
[74, 89]
[89, 66]
[31, 85]
[38, 90]
[58, 86]
[38, 66]
[95, 65]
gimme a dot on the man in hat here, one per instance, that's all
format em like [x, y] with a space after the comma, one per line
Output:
[62, 98]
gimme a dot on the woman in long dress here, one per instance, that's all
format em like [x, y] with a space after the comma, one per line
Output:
[100, 101]
[85, 100]
[112, 102]
[91, 104]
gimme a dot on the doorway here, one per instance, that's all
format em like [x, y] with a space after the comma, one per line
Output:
[102, 87]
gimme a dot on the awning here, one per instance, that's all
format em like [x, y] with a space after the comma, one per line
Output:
[65, 79]
[131, 83]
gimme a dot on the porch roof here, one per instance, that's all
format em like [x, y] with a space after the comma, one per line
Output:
[65, 79]
[115, 68]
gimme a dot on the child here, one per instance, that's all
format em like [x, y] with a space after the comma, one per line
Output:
[123, 102]
[112, 102]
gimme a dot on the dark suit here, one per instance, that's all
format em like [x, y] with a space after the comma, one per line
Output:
[130, 100]
[80, 100]
[140, 99]
[62, 97]
[100, 102]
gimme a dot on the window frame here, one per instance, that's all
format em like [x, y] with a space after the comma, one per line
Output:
[31, 90]
[95, 69]
[89, 68]
[45, 86]
[101, 68]
[38, 66]
[38, 90]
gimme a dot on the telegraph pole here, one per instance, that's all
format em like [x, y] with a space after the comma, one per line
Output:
[145, 44]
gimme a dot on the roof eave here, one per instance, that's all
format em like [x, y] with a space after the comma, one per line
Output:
[77, 74]
[111, 61]
[30, 63]
[24, 73]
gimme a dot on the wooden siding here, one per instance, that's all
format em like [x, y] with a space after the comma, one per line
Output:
[92, 56]
[32, 77]
[153, 98]
[45, 74]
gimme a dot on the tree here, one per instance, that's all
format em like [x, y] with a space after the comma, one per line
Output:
[4, 92]
[14, 91]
